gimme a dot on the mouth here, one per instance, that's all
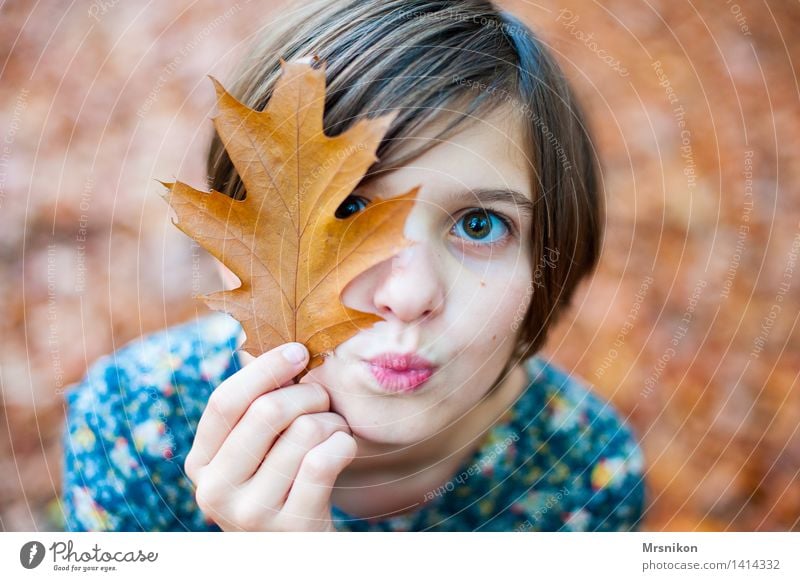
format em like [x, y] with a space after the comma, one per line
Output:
[400, 373]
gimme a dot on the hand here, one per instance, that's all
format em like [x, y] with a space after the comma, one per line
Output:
[267, 452]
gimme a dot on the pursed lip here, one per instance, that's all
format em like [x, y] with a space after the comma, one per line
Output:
[400, 372]
[401, 362]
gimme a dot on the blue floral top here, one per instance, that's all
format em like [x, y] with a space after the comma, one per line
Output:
[561, 459]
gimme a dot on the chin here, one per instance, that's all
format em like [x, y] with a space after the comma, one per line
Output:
[391, 435]
[373, 417]
[377, 426]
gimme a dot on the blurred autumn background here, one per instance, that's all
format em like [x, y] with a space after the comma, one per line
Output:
[689, 326]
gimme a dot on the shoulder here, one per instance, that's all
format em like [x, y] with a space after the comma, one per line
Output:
[131, 419]
[156, 377]
[585, 451]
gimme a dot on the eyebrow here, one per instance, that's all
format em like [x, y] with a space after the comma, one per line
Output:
[486, 195]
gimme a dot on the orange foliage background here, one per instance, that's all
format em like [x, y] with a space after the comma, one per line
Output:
[689, 326]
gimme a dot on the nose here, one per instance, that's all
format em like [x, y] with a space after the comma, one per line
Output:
[412, 289]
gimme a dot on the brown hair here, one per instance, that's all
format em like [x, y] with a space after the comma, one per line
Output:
[424, 59]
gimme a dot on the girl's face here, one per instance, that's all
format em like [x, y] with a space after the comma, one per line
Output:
[452, 297]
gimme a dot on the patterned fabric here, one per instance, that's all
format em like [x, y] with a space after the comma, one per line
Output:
[561, 459]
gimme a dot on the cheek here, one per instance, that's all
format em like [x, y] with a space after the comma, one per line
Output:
[330, 375]
[516, 302]
[495, 307]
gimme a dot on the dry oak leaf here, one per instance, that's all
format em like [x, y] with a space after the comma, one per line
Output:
[283, 241]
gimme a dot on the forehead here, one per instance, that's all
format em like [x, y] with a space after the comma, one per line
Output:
[487, 152]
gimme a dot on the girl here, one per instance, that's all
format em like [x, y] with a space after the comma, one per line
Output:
[441, 416]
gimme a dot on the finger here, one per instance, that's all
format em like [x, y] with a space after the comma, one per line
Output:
[229, 401]
[251, 439]
[247, 359]
[309, 497]
[280, 467]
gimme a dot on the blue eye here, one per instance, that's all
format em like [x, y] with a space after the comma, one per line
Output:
[350, 206]
[478, 226]
[482, 227]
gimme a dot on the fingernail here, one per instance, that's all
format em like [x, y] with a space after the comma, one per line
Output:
[294, 353]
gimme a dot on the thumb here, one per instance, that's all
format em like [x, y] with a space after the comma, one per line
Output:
[245, 357]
